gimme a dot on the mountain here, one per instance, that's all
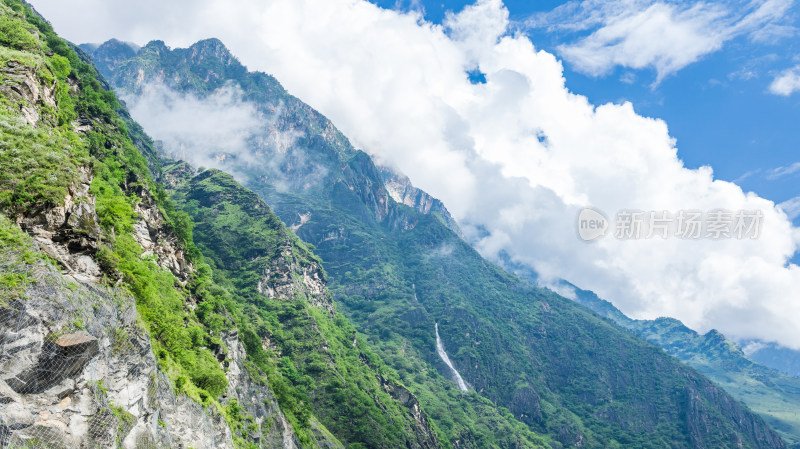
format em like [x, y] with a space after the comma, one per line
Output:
[540, 369]
[772, 394]
[774, 356]
[118, 331]
[329, 368]
[402, 191]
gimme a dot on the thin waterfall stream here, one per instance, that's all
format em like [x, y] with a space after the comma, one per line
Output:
[440, 349]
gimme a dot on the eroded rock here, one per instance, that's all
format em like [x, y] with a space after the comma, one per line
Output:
[64, 358]
[290, 277]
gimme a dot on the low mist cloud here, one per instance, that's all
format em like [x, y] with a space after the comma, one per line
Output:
[204, 132]
[222, 130]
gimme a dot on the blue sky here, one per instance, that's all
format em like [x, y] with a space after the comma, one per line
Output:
[719, 108]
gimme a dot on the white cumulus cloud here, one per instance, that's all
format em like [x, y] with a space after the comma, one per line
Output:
[195, 130]
[787, 82]
[515, 158]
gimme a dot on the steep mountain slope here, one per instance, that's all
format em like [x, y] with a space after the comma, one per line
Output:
[100, 345]
[773, 395]
[397, 272]
[264, 263]
[116, 332]
[402, 191]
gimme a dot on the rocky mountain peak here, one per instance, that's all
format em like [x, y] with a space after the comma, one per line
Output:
[114, 51]
[212, 48]
[403, 191]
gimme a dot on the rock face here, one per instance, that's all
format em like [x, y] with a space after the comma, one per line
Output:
[401, 394]
[288, 276]
[78, 371]
[701, 416]
[257, 399]
[69, 233]
[20, 83]
[155, 237]
[62, 358]
[403, 192]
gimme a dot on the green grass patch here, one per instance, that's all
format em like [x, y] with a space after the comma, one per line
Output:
[38, 165]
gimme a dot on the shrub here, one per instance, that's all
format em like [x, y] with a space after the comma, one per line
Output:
[15, 34]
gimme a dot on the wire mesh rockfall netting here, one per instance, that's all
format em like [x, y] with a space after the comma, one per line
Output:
[77, 371]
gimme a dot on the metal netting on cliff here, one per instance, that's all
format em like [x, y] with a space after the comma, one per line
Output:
[77, 371]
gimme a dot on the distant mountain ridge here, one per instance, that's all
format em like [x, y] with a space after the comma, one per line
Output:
[774, 395]
[770, 392]
[774, 356]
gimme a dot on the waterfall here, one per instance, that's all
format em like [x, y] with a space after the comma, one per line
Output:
[440, 349]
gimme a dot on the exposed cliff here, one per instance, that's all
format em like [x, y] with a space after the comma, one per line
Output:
[403, 191]
[78, 369]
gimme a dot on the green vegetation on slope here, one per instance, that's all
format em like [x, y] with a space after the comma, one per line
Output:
[85, 135]
[377, 295]
[556, 366]
[44, 156]
[318, 353]
[14, 276]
